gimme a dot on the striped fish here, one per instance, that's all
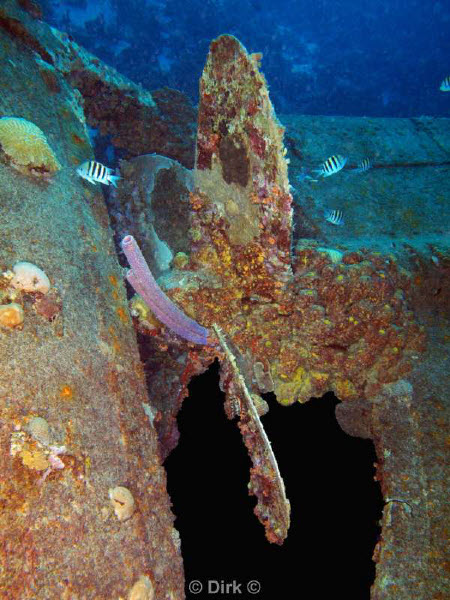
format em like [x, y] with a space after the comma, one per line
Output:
[334, 216]
[445, 85]
[331, 166]
[364, 165]
[95, 172]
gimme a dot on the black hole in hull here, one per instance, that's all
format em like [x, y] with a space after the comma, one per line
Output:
[335, 504]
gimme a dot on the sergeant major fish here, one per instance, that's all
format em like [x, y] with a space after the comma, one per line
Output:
[95, 172]
[331, 166]
[364, 165]
[334, 216]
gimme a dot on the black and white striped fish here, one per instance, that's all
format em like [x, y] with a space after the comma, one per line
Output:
[334, 216]
[95, 172]
[445, 85]
[331, 166]
[364, 165]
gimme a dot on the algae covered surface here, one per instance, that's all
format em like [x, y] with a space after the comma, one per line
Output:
[91, 382]
[73, 424]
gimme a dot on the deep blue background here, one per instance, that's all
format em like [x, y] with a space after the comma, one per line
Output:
[352, 57]
[347, 57]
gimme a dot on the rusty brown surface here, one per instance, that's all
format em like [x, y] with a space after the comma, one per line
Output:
[137, 121]
[273, 508]
[73, 424]
[409, 425]
[327, 319]
[349, 319]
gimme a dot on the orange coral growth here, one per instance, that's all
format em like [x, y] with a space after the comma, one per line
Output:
[66, 392]
[122, 314]
[11, 315]
[322, 320]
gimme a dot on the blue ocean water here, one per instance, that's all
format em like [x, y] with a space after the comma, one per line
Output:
[325, 57]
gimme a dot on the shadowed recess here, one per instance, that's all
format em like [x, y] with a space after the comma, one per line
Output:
[234, 160]
[329, 481]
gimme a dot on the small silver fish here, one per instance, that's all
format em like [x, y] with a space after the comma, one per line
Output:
[334, 216]
[445, 85]
[331, 166]
[364, 165]
[95, 172]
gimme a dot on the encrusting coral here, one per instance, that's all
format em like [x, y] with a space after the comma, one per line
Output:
[122, 501]
[26, 280]
[318, 321]
[26, 148]
[11, 315]
[142, 590]
[273, 508]
[77, 368]
[29, 278]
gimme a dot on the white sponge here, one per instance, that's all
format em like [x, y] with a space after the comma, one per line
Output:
[30, 278]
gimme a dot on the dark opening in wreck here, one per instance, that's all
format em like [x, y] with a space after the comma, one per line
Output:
[329, 478]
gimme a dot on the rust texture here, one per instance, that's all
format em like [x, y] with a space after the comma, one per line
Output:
[75, 424]
[273, 508]
[299, 320]
[332, 319]
[326, 320]
[137, 121]
[351, 320]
